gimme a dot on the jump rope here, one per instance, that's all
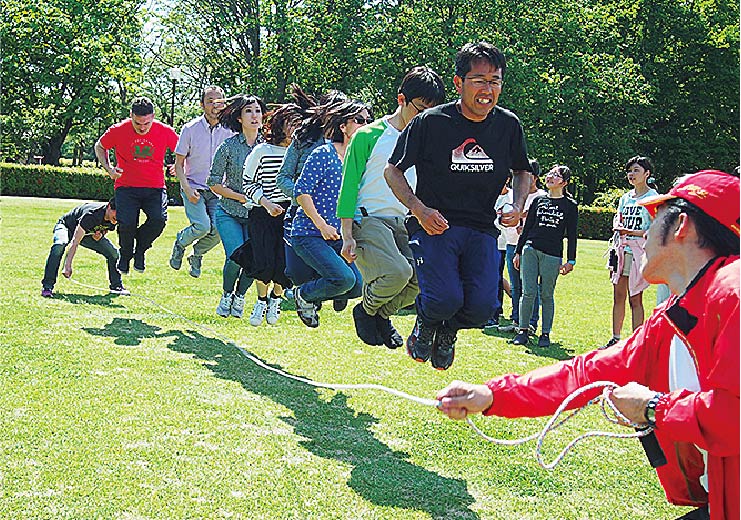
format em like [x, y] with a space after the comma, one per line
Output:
[609, 410]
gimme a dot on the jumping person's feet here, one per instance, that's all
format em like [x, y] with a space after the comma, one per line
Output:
[365, 326]
[195, 265]
[225, 306]
[443, 348]
[273, 312]
[120, 290]
[306, 310]
[139, 262]
[388, 333]
[237, 306]
[123, 265]
[258, 312]
[47, 293]
[176, 258]
[339, 305]
[419, 342]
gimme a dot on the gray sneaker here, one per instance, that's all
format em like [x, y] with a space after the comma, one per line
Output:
[237, 306]
[195, 265]
[306, 310]
[225, 306]
[176, 258]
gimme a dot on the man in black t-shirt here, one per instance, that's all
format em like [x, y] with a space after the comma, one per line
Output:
[463, 153]
[85, 225]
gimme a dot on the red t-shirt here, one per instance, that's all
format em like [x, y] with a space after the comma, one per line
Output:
[142, 157]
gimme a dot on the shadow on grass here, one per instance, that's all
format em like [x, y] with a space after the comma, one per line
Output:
[99, 299]
[333, 430]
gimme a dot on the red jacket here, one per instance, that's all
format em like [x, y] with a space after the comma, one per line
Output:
[691, 342]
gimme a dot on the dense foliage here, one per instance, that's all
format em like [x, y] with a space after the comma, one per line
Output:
[593, 82]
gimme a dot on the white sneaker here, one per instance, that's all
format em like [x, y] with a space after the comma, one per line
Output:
[258, 312]
[273, 312]
[238, 306]
[225, 306]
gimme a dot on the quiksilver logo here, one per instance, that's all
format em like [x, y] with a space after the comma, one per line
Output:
[470, 157]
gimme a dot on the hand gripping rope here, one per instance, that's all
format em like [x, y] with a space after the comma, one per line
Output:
[553, 423]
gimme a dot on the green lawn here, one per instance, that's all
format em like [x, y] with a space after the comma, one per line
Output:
[114, 407]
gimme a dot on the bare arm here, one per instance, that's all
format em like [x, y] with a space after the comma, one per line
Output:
[307, 203]
[228, 193]
[431, 220]
[520, 188]
[76, 239]
[192, 194]
[348, 242]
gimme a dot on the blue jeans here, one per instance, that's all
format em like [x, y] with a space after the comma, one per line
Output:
[456, 272]
[515, 282]
[337, 279]
[103, 247]
[233, 232]
[132, 238]
[202, 229]
[539, 272]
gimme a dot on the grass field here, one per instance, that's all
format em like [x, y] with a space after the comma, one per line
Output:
[133, 407]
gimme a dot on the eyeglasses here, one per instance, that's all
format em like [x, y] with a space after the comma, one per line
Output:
[418, 109]
[554, 174]
[362, 121]
[481, 82]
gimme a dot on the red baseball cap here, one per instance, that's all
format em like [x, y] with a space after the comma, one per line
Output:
[714, 192]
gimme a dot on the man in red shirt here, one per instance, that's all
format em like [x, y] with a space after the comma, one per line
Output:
[140, 144]
[679, 371]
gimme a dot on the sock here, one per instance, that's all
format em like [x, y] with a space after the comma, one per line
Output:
[263, 298]
[273, 295]
[616, 336]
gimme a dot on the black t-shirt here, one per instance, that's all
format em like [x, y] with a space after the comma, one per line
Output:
[547, 222]
[90, 216]
[461, 164]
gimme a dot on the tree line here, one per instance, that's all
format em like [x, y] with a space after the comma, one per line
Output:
[593, 82]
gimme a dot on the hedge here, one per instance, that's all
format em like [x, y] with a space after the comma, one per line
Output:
[94, 184]
[25, 180]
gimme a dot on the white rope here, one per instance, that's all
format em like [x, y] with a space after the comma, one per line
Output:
[552, 424]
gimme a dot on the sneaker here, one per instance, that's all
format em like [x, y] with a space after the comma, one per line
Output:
[306, 310]
[521, 337]
[288, 294]
[123, 265]
[120, 290]
[508, 328]
[258, 312]
[610, 343]
[237, 306]
[443, 348]
[544, 340]
[419, 342]
[386, 331]
[195, 265]
[176, 258]
[225, 306]
[492, 323]
[47, 293]
[365, 326]
[273, 312]
[139, 262]
[532, 329]
[339, 305]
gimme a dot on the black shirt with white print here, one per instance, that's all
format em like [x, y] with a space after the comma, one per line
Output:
[90, 216]
[462, 165]
[548, 222]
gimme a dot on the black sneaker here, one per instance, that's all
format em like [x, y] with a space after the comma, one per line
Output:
[388, 334]
[443, 348]
[365, 326]
[176, 258]
[339, 305]
[419, 342]
[521, 337]
[120, 290]
[610, 343]
[544, 340]
[123, 265]
[139, 262]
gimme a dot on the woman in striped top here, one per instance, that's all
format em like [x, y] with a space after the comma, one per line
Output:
[266, 258]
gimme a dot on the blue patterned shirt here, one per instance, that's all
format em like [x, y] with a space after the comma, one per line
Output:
[321, 178]
[227, 168]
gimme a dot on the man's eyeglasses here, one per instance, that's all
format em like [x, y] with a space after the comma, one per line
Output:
[362, 121]
[481, 82]
[418, 109]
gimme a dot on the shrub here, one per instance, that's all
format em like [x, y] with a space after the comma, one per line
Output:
[595, 223]
[609, 198]
[65, 183]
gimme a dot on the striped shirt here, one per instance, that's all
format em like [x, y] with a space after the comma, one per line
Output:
[260, 172]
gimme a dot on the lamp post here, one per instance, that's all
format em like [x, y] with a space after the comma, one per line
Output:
[175, 76]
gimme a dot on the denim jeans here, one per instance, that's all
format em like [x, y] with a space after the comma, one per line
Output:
[202, 229]
[233, 232]
[539, 271]
[337, 279]
[103, 247]
[129, 201]
[515, 282]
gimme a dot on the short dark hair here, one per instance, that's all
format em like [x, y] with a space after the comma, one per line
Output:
[711, 234]
[275, 131]
[534, 167]
[233, 110]
[481, 51]
[643, 162]
[425, 83]
[112, 203]
[208, 89]
[142, 106]
[337, 115]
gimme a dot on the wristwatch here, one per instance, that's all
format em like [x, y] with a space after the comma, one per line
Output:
[650, 412]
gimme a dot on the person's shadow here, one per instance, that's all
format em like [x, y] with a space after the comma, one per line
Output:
[332, 429]
[99, 299]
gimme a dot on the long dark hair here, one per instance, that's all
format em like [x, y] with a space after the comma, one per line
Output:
[336, 115]
[565, 174]
[233, 110]
[311, 129]
[274, 128]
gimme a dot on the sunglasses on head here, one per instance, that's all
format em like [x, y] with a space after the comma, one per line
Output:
[361, 120]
